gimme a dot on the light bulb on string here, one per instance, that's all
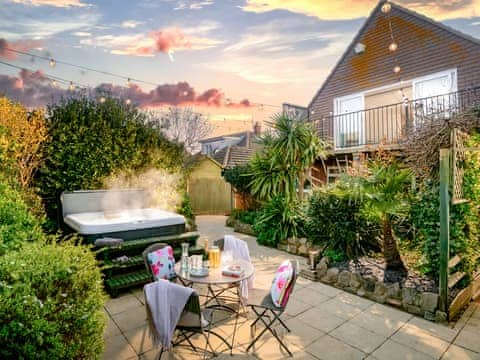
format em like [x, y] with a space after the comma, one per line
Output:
[71, 87]
[393, 46]
[128, 101]
[129, 83]
[397, 69]
[52, 63]
[102, 99]
[54, 83]
[386, 8]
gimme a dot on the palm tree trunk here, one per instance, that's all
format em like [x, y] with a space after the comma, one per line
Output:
[390, 249]
[301, 185]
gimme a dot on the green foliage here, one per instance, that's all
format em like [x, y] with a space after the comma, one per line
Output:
[280, 170]
[52, 303]
[17, 225]
[245, 216]
[464, 228]
[239, 177]
[89, 140]
[337, 220]
[278, 220]
[186, 210]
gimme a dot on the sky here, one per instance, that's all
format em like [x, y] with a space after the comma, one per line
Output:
[235, 60]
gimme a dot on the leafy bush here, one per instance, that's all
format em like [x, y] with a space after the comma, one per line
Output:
[89, 140]
[186, 210]
[239, 177]
[336, 220]
[464, 229]
[52, 302]
[17, 225]
[21, 139]
[278, 220]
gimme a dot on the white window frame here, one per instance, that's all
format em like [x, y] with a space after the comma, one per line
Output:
[336, 107]
[450, 72]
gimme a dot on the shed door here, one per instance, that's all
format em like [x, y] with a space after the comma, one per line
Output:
[350, 121]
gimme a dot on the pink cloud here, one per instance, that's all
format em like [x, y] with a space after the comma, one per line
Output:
[169, 39]
[20, 45]
[34, 90]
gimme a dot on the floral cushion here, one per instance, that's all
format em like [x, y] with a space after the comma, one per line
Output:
[162, 263]
[281, 283]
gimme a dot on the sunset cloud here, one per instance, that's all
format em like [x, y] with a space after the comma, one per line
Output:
[351, 9]
[34, 90]
[20, 45]
[167, 41]
[54, 3]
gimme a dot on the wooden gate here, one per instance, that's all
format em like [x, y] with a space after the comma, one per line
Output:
[211, 196]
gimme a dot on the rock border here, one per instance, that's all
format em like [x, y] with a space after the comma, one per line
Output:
[411, 300]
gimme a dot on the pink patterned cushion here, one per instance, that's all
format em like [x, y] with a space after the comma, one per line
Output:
[281, 284]
[162, 263]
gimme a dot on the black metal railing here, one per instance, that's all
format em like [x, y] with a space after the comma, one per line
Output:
[387, 124]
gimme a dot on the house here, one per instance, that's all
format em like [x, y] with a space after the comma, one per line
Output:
[401, 71]
[211, 145]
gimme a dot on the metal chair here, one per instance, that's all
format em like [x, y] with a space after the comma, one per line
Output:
[193, 321]
[261, 304]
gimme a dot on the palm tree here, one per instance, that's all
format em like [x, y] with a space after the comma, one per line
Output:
[386, 188]
[288, 155]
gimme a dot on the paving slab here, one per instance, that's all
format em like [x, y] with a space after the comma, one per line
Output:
[329, 348]
[391, 350]
[455, 352]
[325, 322]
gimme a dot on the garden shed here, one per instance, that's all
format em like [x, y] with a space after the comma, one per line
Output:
[209, 192]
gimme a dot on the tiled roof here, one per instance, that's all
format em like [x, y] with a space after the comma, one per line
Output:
[231, 156]
[222, 137]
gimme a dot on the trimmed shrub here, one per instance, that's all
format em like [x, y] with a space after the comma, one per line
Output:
[337, 221]
[89, 140]
[278, 220]
[17, 225]
[52, 300]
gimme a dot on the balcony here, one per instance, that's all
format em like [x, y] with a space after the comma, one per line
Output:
[386, 125]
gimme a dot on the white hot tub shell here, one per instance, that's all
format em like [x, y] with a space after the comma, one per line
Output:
[87, 213]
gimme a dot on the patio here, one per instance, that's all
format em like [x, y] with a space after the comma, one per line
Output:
[326, 323]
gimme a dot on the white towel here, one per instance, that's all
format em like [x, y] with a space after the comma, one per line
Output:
[165, 302]
[239, 250]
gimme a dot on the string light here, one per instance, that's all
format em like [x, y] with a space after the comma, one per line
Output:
[57, 79]
[393, 47]
[54, 83]
[102, 99]
[129, 79]
[397, 69]
[386, 8]
[128, 101]
[71, 87]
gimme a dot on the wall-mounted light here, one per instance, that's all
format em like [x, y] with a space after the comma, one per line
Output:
[359, 48]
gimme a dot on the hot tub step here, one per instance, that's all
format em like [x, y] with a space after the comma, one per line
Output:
[126, 280]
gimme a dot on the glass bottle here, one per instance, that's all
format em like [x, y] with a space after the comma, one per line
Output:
[185, 258]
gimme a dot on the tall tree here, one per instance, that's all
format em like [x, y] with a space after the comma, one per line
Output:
[289, 153]
[386, 188]
[185, 126]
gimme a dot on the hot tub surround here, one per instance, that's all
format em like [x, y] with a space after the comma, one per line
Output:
[117, 213]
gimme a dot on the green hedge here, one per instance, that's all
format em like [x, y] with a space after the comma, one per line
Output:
[89, 140]
[17, 225]
[51, 303]
[337, 221]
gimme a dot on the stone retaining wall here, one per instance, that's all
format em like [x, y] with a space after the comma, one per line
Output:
[409, 299]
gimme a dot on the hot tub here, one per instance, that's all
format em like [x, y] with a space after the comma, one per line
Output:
[117, 213]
